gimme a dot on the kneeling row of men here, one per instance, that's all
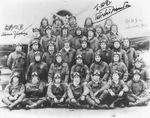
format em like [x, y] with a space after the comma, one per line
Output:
[94, 94]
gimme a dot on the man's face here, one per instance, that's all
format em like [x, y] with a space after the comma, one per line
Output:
[58, 23]
[116, 58]
[66, 21]
[78, 32]
[59, 59]
[72, 21]
[96, 78]
[114, 29]
[64, 31]
[79, 61]
[98, 30]
[108, 24]
[126, 43]
[35, 80]
[138, 64]
[37, 57]
[97, 58]
[90, 33]
[88, 22]
[76, 80]
[18, 48]
[136, 77]
[15, 80]
[57, 80]
[103, 45]
[84, 44]
[48, 31]
[44, 22]
[50, 48]
[35, 46]
[115, 78]
[66, 44]
[116, 45]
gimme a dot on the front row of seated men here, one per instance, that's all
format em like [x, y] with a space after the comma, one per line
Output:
[96, 93]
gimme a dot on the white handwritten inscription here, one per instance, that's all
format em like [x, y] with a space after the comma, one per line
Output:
[14, 30]
[134, 23]
[105, 10]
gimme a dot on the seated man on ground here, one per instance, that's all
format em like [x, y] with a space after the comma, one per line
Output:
[35, 95]
[14, 92]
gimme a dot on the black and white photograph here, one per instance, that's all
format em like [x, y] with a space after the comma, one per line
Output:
[74, 58]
